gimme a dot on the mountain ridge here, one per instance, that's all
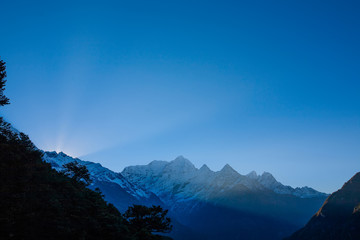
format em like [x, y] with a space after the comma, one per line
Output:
[38, 202]
[192, 194]
[110, 182]
[199, 194]
[266, 179]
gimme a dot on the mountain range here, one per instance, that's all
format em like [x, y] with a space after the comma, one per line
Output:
[205, 204]
[37, 202]
[116, 188]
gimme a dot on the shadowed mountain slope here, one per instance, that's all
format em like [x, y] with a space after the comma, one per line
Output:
[37, 202]
[226, 203]
[339, 216]
[117, 189]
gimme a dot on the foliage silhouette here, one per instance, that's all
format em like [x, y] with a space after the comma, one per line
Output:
[3, 99]
[148, 219]
[77, 172]
[37, 202]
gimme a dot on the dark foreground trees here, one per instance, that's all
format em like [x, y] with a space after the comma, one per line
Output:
[77, 172]
[37, 202]
[147, 220]
[3, 99]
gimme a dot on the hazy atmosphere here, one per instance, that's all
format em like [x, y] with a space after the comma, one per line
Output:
[261, 85]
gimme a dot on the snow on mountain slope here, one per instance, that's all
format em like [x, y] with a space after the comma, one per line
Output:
[180, 181]
[97, 172]
[269, 182]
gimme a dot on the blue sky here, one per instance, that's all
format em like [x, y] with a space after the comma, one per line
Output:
[262, 85]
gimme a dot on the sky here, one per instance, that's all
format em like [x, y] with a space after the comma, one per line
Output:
[261, 85]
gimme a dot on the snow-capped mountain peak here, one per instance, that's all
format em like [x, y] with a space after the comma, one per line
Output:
[227, 169]
[205, 168]
[252, 175]
[180, 166]
[181, 158]
[160, 175]
[268, 180]
[157, 166]
[181, 161]
[98, 173]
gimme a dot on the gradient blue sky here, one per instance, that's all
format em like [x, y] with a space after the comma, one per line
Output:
[262, 85]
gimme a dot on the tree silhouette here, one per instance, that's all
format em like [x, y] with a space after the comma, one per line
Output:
[148, 219]
[77, 172]
[72, 211]
[3, 99]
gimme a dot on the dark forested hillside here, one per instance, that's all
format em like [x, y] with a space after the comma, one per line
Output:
[36, 202]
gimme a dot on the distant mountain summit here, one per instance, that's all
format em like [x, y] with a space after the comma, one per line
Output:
[339, 216]
[205, 204]
[183, 171]
[117, 189]
[36, 202]
[196, 196]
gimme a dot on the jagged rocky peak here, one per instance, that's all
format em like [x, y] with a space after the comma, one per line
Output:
[55, 154]
[267, 176]
[158, 163]
[181, 163]
[268, 181]
[205, 168]
[62, 154]
[157, 166]
[307, 192]
[61, 157]
[181, 159]
[252, 175]
[51, 154]
[227, 171]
